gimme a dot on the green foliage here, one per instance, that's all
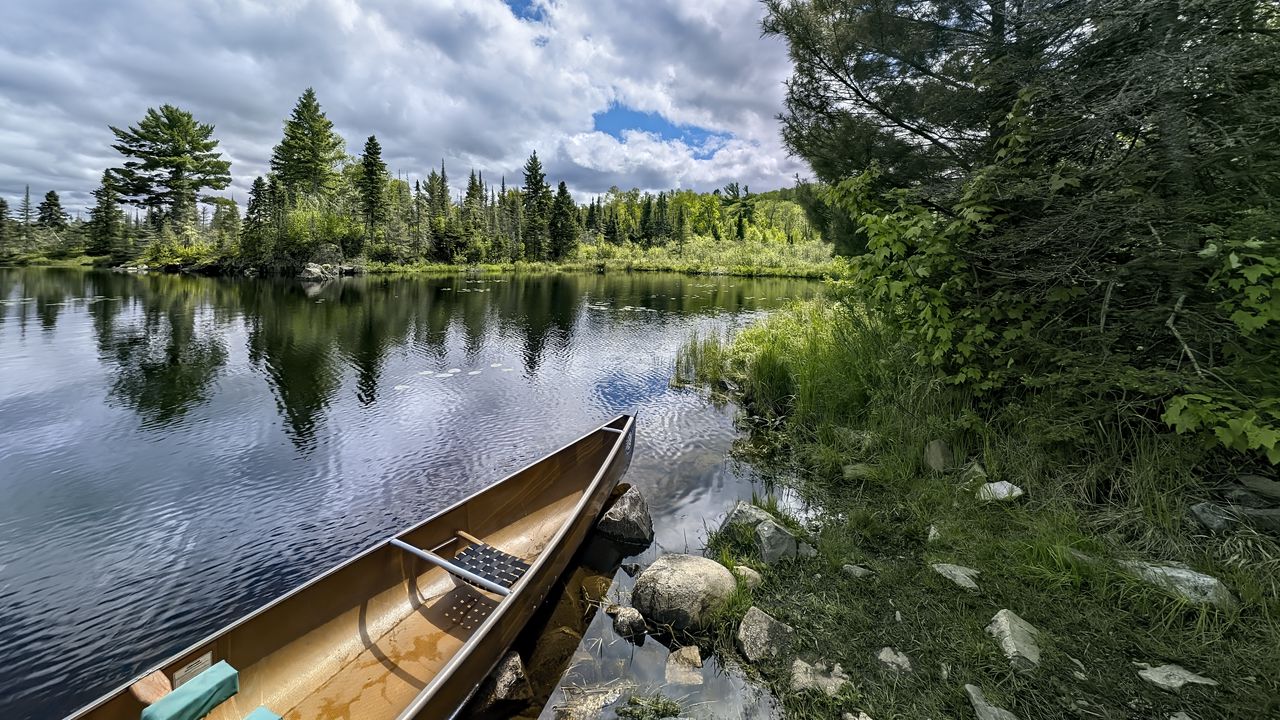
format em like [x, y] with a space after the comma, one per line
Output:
[171, 158]
[372, 185]
[106, 222]
[49, 214]
[306, 159]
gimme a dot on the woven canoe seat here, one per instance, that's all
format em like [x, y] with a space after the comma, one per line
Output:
[491, 564]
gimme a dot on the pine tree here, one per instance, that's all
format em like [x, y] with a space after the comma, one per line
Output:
[49, 214]
[226, 221]
[372, 185]
[6, 227]
[612, 232]
[256, 230]
[563, 228]
[537, 209]
[172, 158]
[106, 221]
[307, 157]
[26, 216]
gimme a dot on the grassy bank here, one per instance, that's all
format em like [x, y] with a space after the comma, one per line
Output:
[838, 411]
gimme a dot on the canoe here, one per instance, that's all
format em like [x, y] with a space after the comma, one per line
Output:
[408, 628]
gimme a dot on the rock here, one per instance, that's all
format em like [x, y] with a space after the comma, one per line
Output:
[983, 709]
[760, 636]
[1244, 498]
[850, 716]
[750, 578]
[776, 542]
[1188, 584]
[815, 677]
[937, 455]
[627, 521]
[587, 703]
[958, 574]
[933, 534]
[682, 666]
[805, 550]
[1265, 520]
[629, 623]
[312, 271]
[857, 571]
[859, 471]
[1017, 639]
[1002, 491]
[350, 270]
[1261, 486]
[1211, 517]
[631, 569]
[682, 591]
[505, 691]
[744, 513]
[894, 660]
[1180, 716]
[973, 473]
[1171, 677]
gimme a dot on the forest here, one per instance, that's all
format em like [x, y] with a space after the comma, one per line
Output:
[320, 205]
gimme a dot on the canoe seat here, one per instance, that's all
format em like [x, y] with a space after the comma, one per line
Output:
[198, 696]
[491, 564]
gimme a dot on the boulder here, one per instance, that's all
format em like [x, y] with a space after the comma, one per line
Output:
[505, 691]
[629, 623]
[313, 271]
[937, 455]
[1171, 677]
[682, 666]
[1211, 517]
[815, 677]
[958, 574]
[1195, 587]
[750, 578]
[857, 571]
[894, 660]
[983, 709]
[628, 522]
[744, 513]
[1002, 491]
[1261, 486]
[776, 542]
[1017, 639]
[682, 591]
[760, 636]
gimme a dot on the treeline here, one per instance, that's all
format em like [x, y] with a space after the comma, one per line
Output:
[318, 204]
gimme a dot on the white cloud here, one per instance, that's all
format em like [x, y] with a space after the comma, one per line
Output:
[465, 81]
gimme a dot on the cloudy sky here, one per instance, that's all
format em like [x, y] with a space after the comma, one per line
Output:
[633, 93]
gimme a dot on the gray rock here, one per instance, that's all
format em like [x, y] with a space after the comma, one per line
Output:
[857, 571]
[1262, 519]
[629, 623]
[1244, 498]
[933, 534]
[805, 550]
[983, 709]
[937, 455]
[313, 271]
[1171, 677]
[1192, 586]
[1017, 639]
[760, 636]
[1002, 491]
[682, 666]
[776, 542]
[859, 471]
[1180, 716]
[958, 574]
[815, 677]
[1261, 486]
[506, 690]
[682, 591]
[587, 703]
[973, 474]
[750, 578]
[628, 521]
[744, 513]
[894, 660]
[1211, 517]
[850, 716]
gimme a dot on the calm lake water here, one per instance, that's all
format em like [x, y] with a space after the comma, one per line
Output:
[176, 452]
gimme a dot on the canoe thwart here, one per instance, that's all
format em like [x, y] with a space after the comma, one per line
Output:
[457, 571]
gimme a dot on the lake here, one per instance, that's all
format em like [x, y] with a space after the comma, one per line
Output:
[177, 451]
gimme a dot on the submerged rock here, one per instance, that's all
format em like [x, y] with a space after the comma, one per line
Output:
[958, 574]
[760, 636]
[750, 578]
[682, 591]
[1002, 491]
[1171, 677]
[628, 521]
[776, 542]
[505, 691]
[587, 703]
[1192, 586]
[815, 677]
[1017, 639]
[682, 666]
[983, 709]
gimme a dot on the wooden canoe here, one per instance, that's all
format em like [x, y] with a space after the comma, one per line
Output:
[389, 635]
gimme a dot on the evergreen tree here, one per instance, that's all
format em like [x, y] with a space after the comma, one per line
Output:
[563, 227]
[372, 185]
[612, 231]
[307, 157]
[26, 216]
[49, 214]
[6, 227]
[537, 209]
[106, 221]
[171, 159]
[226, 221]
[256, 230]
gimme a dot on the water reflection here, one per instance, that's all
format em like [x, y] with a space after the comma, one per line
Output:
[176, 451]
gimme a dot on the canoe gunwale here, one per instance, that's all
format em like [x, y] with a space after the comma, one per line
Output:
[213, 637]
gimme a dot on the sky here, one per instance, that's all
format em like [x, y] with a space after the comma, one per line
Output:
[652, 94]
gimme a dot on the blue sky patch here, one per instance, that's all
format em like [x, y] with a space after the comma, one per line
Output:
[525, 10]
[620, 118]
